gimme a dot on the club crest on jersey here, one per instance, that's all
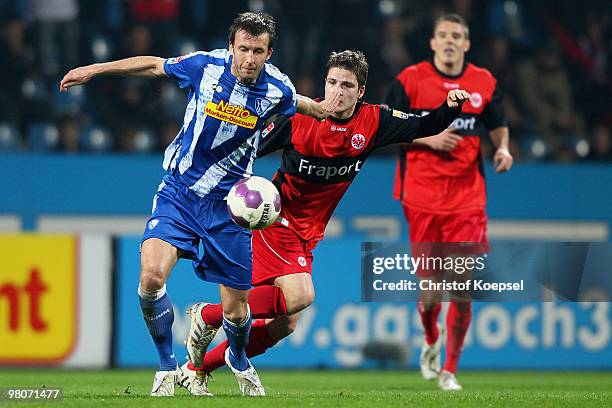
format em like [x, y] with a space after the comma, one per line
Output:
[302, 261]
[476, 99]
[358, 141]
[234, 114]
[262, 105]
[267, 130]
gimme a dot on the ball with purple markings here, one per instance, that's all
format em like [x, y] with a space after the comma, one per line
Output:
[254, 203]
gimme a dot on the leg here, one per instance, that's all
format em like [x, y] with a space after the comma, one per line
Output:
[424, 233]
[429, 308]
[462, 227]
[157, 259]
[236, 324]
[276, 250]
[264, 334]
[457, 324]
[299, 291]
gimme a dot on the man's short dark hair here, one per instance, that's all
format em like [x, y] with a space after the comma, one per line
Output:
[453, 18]
[255, 24]
[351, 60]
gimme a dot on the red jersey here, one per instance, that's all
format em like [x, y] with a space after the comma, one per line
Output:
[321, 159]
[446, 182]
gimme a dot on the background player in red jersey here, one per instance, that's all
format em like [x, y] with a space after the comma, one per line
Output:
[320, 160]
[440, 179]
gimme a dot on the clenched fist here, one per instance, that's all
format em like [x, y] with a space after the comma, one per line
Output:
[457, 97]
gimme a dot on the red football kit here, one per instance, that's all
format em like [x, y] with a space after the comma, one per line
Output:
[443, 193]
[319, 162]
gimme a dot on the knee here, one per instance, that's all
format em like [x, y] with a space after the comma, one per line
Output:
[235, 311]
[152, 277]
[463, 307]
[428, 305]
[299, 300]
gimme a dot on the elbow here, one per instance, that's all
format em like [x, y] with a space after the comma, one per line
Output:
[158, 67]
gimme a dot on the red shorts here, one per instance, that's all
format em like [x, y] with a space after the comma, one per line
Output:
[279, 251]
[468, 229]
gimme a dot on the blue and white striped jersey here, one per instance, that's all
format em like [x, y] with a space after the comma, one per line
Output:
[223, 120]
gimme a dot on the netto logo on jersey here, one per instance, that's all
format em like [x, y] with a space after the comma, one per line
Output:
[327, 171]
[236, 115]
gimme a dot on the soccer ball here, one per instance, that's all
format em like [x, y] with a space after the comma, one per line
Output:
[253, 203]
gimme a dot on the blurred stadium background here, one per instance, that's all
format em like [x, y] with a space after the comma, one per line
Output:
[80, 170]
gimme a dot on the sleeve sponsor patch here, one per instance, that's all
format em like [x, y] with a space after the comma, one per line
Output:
[401, 115]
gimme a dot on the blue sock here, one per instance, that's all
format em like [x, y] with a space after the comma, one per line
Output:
[238, 338]
[159, 316]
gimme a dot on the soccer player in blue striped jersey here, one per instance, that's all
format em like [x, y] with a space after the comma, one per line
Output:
[231, 94]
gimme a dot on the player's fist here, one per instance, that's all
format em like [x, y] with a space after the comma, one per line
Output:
[457, 97]
[77, 76]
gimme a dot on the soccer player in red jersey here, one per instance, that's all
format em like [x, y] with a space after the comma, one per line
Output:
[440, 179]
[319, 162]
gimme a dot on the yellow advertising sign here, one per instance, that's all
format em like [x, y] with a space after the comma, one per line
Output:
[38, 297]
[236, 115]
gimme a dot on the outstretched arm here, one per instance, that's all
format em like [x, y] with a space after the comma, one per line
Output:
[144, 66]
[400, 127]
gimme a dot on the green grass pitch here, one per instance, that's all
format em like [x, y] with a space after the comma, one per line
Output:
[129, 388]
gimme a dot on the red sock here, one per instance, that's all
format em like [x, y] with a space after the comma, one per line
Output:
[265, 302]
[457, 323]
[429, 318]
[213, 315]
[259, 342]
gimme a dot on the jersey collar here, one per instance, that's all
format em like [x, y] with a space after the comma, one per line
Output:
[442, 74]
[342, 121]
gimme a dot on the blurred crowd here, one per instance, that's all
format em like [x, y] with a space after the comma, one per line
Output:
[552, 60]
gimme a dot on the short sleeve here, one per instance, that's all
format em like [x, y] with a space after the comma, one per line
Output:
[288, 104]
[494, 115]
[187, 69]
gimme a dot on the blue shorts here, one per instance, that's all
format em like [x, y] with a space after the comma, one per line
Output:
[183, 219]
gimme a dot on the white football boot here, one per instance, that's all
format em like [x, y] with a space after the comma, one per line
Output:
[163, 383]
[448, 382]
[196, 382]
[200, 335]
[248, 380]
[429, 361]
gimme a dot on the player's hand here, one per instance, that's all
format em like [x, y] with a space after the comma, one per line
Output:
[457, 97]
[77, 76]
[445, 141]
[502, 161]
[326, 107]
